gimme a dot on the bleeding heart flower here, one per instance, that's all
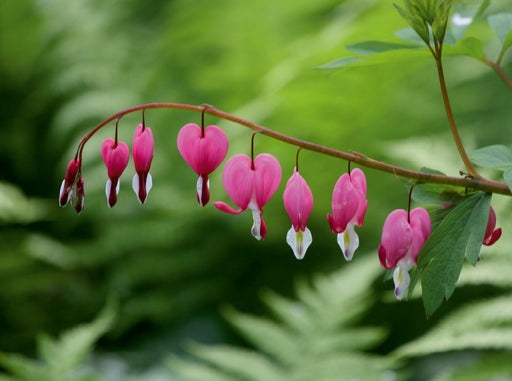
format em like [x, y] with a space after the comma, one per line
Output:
[298, 202]
[348, 209]
[250, 185]
[77, 199]
[203, 151]
[403, 237]
[491, 235]
[142, 150]
[66, 189]
[116, 157]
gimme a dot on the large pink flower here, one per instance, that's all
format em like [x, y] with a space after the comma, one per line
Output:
[250, 185]
[142, 150]
[298, 202]
[403, 237]
[348, 209]
[203, 151]
[116, 157]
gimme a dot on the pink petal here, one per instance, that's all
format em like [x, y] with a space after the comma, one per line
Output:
[142, 149]
[203, 154]
[397, 237]
[267, 177]
[298, 201]
[358, 180]
[345, 204]
[421, 226]
[226, 208]
[115, 157]
[238, 180]
[491, 235]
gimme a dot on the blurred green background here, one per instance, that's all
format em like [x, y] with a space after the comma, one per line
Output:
[176, 268]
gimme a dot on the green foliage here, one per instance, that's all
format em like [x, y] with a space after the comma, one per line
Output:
[62, 358]
[459, 235]
[495, 157]
[316, 336]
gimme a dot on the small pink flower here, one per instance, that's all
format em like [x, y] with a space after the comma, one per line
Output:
[491, 235]
[250, 186]
[142, 150]
[116, 159]
[66, 189]
[403, 237]
[203, 152]
[348, 209]
[298, 202]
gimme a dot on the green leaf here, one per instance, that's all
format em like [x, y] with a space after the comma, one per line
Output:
[507, 176]
[495, 157]
[336, 64]
[459, 235]
[501, 23]
[409, 35]
[469, 46]
[366, 48]
[24, 369]
[70, 349]
[437, 194]
[480, 325]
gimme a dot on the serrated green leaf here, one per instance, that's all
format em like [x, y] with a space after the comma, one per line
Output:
[70, 349]
[367, 48]
[494, 157]
[272, 338]
[469, 46]
[239, 362]
[459, 235]
[481, 325]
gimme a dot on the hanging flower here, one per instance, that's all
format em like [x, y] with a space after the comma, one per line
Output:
[142, 151]
[348, 209]
[77, 199]
[203, 150]
[403, 237]
[298, 202]
[66, 189]
[116, 157]
[491, 234]
[250, 185]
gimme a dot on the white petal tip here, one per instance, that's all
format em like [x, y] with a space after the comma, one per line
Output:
[299, 241]
[401, 279]
[348, 242]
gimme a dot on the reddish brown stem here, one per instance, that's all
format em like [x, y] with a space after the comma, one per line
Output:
[481, 184]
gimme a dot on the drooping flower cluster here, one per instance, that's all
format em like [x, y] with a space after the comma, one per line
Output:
[251, 182]
[116, 156]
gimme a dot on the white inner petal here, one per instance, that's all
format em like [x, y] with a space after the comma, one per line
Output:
[256, 227]
[401, 279]
[299, 241]
[348, 242]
